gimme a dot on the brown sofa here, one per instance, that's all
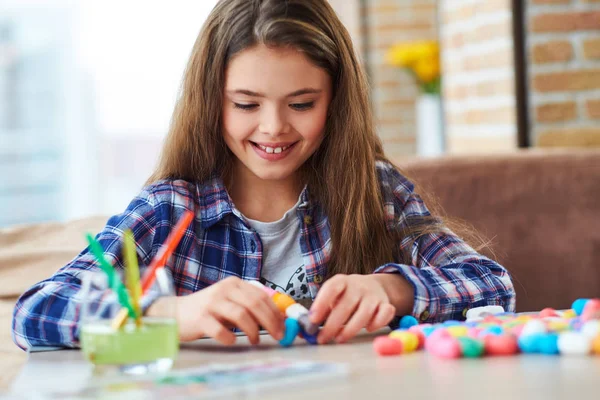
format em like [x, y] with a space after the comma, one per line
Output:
[541, 210]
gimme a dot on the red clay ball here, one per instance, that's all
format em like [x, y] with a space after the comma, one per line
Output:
[500, 345]
[386, 346]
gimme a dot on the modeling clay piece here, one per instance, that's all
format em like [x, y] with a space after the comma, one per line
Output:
[386, 346]
[407, 321]
[293, 311]
[548, 343]
[446, 348]
[292, 328]
[500, 345]
[578, 305]
[574, 343]
[471, 348]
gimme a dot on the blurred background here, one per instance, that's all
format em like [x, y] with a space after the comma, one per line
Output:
[87, 87]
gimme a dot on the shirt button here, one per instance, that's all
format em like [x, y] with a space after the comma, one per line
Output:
[424, 315]
[253, 246]
[464, 312]
[307, 219]
[318, 278]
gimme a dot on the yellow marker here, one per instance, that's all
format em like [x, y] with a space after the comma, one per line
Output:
[120, 319]
[132, 272]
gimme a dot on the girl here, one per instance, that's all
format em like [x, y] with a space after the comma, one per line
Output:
[272, 146]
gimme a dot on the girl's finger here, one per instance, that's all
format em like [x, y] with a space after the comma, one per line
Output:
[239, 317]
[382, 317]
[262, 309]
[342, 311]
[359, 320]
[212, 327]
[326, 299]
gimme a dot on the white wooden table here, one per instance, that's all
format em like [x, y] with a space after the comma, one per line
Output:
[413, 376]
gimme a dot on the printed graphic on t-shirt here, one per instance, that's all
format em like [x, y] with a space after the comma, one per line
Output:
[296, 288]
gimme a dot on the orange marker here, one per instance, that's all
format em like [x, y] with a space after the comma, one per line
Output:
[159, 261]
[166, 250]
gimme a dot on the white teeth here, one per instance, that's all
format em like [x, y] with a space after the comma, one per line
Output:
[272, 150]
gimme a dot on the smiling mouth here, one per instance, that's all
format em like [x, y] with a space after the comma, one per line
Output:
[273, 150]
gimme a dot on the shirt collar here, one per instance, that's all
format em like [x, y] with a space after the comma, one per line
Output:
[215, 202]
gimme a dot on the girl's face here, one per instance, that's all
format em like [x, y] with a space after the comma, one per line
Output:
[274, 110]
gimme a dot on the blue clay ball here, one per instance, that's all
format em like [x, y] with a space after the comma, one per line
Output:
[530, 343]
[548, 344]
[578, 305]
[292, 328]
[407, 321]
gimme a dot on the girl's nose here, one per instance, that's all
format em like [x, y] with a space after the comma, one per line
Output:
[272, 121]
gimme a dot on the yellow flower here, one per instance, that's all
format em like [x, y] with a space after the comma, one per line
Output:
[408, 54]
[427, 70]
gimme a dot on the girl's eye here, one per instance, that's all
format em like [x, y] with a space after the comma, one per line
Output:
[302, 106]
[245, 107]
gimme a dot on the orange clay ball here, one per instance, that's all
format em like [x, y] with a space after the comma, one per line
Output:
[282, 301]
[596, 345]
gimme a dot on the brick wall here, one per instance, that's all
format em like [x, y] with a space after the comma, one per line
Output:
[478, 78]
[564, 72]
[394, 91]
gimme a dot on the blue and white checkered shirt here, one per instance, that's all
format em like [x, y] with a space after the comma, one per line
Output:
[448, 276]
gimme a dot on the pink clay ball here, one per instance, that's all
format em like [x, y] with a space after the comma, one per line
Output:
[548, 312]
[448, 347]
[591, 310]
[435, 336]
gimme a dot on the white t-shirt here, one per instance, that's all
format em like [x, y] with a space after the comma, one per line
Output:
[283, 267]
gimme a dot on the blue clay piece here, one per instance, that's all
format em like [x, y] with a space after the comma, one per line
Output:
[292, 328]
[312, 339]
[407, 321]
[578, 305]
[548, 344]
[428, 330]
[530, 343]
[452, 323]
[493, 330]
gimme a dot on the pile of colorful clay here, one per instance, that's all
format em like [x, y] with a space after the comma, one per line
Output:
[491, 331]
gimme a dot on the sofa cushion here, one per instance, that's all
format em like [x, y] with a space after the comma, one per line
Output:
[541, 209]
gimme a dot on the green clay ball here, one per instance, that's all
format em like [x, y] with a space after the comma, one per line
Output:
[471, 348]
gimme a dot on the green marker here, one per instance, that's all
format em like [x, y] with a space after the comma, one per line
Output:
[113, 279]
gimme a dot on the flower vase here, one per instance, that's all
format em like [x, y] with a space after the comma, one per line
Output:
[430, 126]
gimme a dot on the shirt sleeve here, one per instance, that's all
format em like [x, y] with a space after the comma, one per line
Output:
[48, 313]
[448, 276]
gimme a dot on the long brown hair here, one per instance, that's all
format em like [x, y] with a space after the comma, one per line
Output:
[341, 175]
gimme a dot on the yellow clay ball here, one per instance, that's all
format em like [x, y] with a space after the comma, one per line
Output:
[409, 340]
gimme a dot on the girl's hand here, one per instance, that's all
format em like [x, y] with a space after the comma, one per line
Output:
[357, 301]
[228, 303]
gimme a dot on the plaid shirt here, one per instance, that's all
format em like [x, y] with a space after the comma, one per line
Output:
[448, 276]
